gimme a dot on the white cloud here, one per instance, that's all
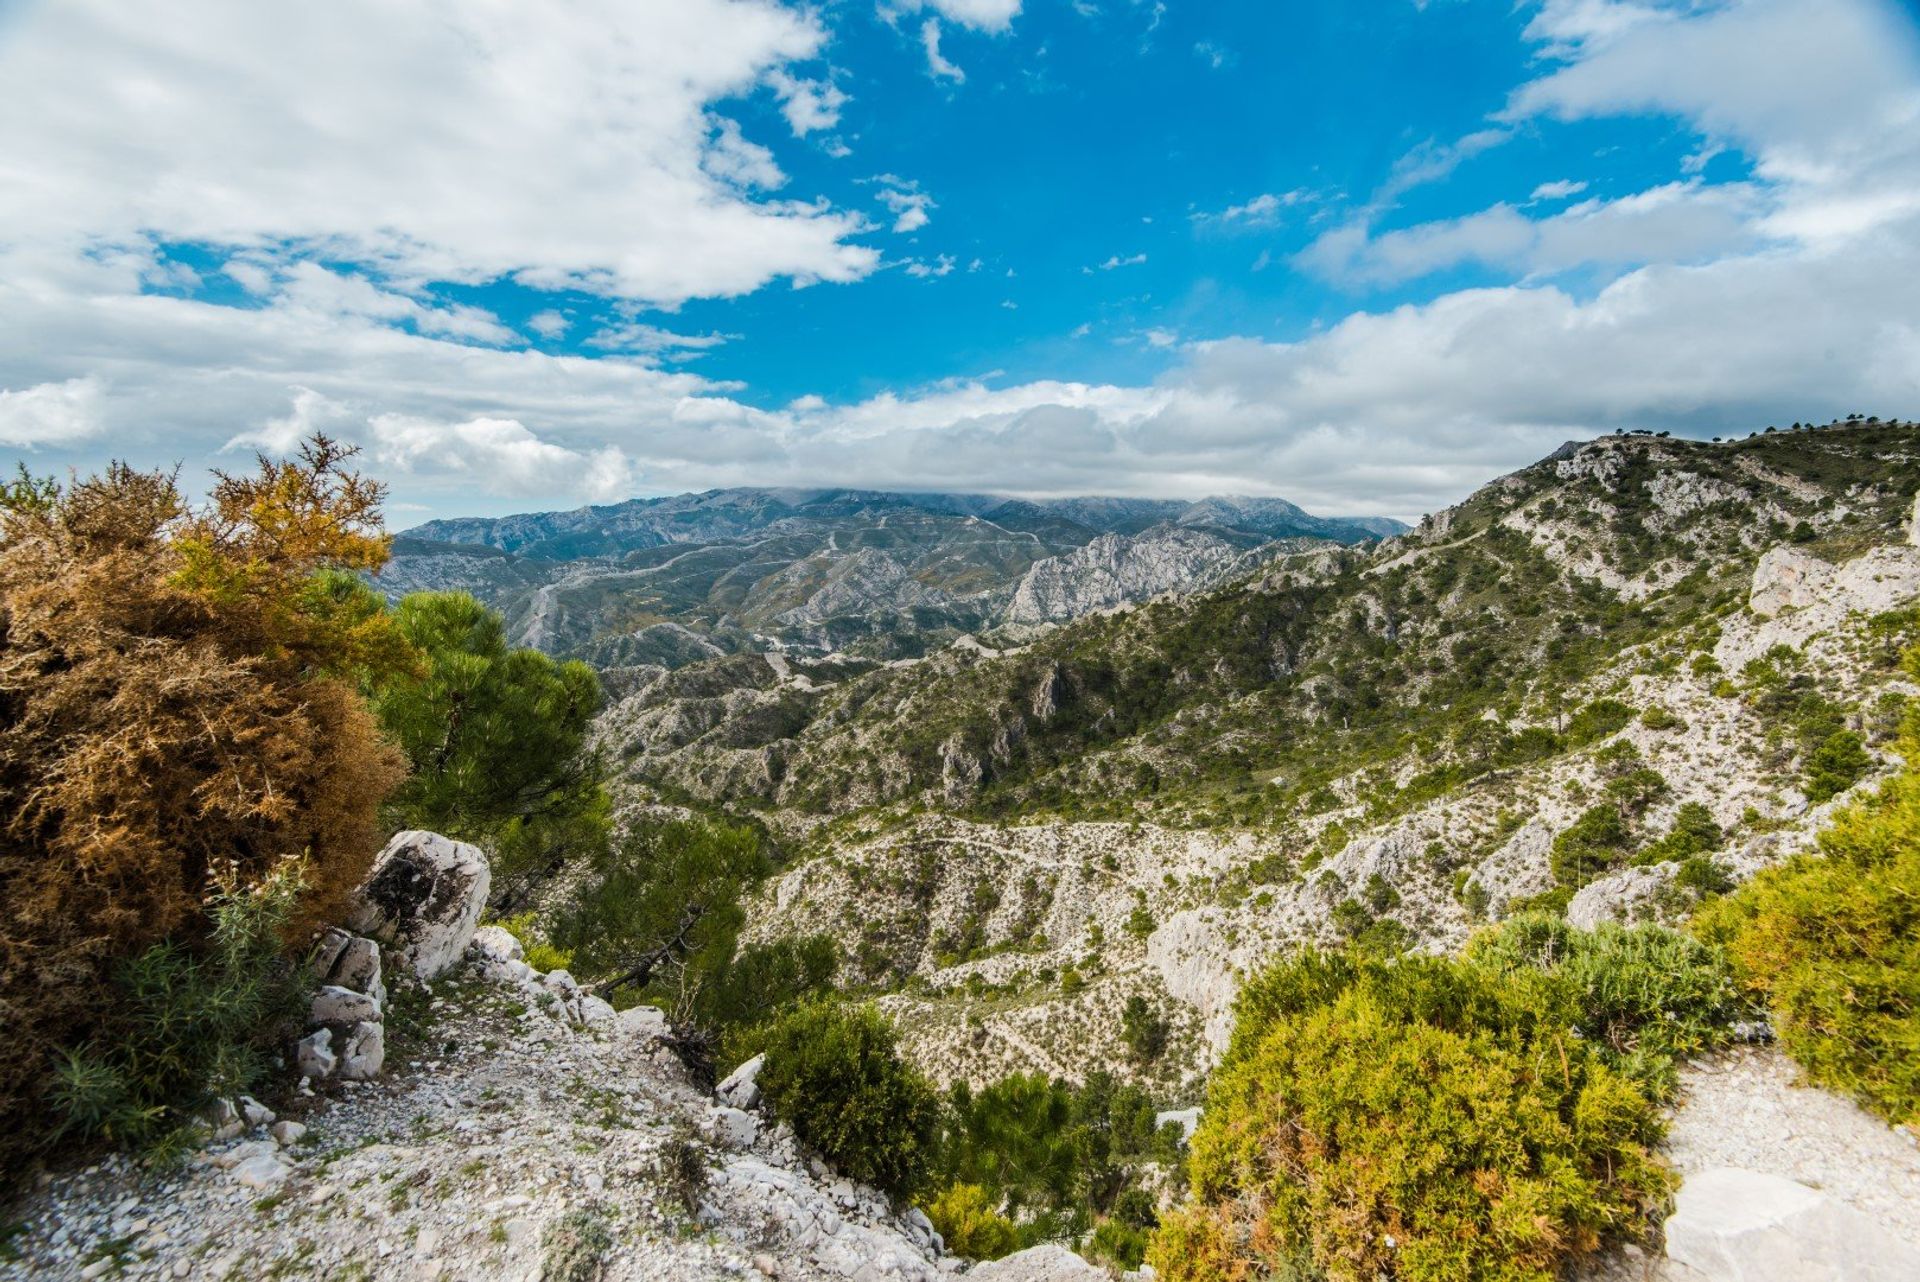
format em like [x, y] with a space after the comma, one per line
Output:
[1558, 190]
[512, 459]
[981, 15]
[311, 412]
[1115, 261]
[941, 266]
[1263, 210]
[426, 141]
[911, 207]
[60, 413]
[1786, 297]
[549, 324]
[651, 340]
[1679, 222]
[1822, 95]
[807, 104]
[937, 65]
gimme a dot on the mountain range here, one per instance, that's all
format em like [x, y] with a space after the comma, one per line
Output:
[881, 575]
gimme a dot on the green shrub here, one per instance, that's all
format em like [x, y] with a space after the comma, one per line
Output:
[1694, 832]
[495, 738]
[191, 1024]
[1418, 1119]
[834, 1073]
[964, 1217]
[1119, 1243]
[1589, 846]
[1831, 943]
[1643, 995]
[1143, 1030]
[1836, 765]
[1597, 720]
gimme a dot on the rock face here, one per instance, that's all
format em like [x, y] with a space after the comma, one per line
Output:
[1787, 579]
[424, 899]
[1118, 569]
[1731, 1225]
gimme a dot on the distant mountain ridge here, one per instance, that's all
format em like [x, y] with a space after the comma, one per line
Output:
[635, 523]
[871, 573]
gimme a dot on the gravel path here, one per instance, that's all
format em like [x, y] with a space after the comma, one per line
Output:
[1746, 1109]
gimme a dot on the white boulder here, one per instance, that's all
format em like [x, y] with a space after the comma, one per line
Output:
[314, 1054]
[365, 1052]
[423, 899]
[497, 944]
[646, 1022]
[336, 1005]
[1731, 1225]
[733, 1128]
[1039, 1264]
[741, 1087]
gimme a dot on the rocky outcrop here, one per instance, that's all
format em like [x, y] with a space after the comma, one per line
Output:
[346, 1019]
[1731, 1225]
[1787, 579]
[423, 899]
[1117, 569]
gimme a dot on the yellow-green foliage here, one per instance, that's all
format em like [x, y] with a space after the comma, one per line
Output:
[1418, 1119]
[966, 1219]
[1832, 944]
[541, 955]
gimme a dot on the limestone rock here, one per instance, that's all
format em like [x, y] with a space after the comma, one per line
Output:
[1731, 1225]
[741, 1087]
[497, 944]
[314, 1054]
[733, 1128]
[424, 899]
[1039, 1264]
[645, 1022]
[286, 1134]
[1627, 895]
[358, 968]
[1187, 1118]
[336, 1005]
[365, 1052]
[1787, 579]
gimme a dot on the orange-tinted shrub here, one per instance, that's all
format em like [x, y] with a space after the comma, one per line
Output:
[177, 696]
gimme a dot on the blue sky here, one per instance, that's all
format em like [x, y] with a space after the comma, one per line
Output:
[1365, 256]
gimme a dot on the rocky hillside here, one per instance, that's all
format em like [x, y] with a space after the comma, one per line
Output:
[1011, 840]
[673, 581]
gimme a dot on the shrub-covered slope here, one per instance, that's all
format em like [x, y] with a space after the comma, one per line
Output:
[1605, 685]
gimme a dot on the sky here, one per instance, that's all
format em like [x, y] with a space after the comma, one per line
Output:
[536, 253]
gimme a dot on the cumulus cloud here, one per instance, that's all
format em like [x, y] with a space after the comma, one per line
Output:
[427, 142]
[50, 413]
[513, 459]
[1263, 210]
[807, 104]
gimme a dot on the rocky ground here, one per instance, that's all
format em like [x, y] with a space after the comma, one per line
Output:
[503, 1143]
